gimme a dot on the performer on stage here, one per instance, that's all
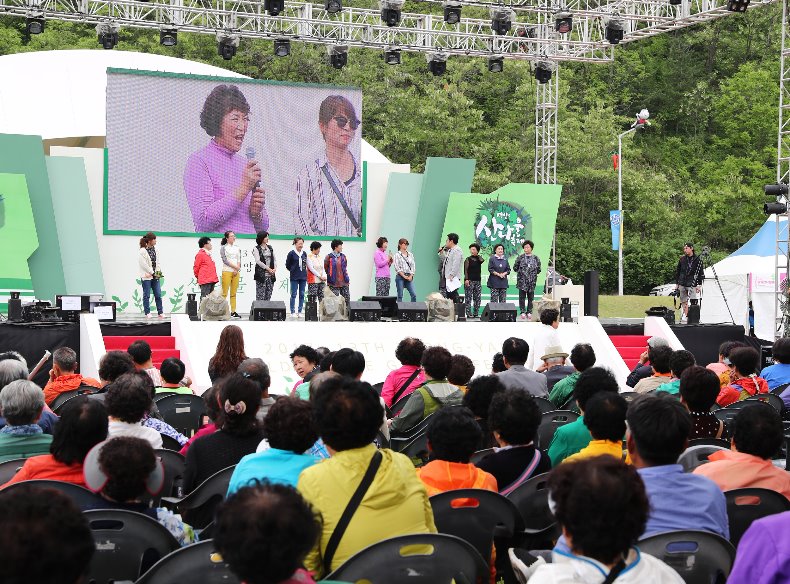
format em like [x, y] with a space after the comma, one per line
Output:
[223, 188]
[405, 268]
[265, 267]
[231, 266]
[383, 262]
[328, 190]
[316, 275]
[204, 268]
[150, 272]
[296, 263]
[451, 262]
[336, 267]
[472, 278]
[498, 269]
[527, 268]
[688, 278]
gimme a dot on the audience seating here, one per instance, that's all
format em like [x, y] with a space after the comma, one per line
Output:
[629, 396]
[170, 443]
[127, 544]
[695, 456]
[480, 455]
[84, 498]
[700, 557]
[9, 468]
[545, 405]
[378, 387]
[182, 411]
[194, 563]
[415, 448]
[749, 504]
[381, 440]
[532, 501]
[710, 442]
[771, 399]
[780, 388]
[549, 424]
[174, 474]
[197, 508]
[163, 394]
[430, 558]
[58, 402]
[571, 406]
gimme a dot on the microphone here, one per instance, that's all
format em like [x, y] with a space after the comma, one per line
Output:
[251, 156]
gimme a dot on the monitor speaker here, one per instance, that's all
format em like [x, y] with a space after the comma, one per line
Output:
[412, 312]
[499, 312]
[267, 310]
[460, 308]
[693, 314]
[192, 306]
[591, 287]
[365, 311]
[311, 308]
[15, 307]
[389, 304]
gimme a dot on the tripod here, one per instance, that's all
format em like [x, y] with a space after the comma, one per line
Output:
[705, 258]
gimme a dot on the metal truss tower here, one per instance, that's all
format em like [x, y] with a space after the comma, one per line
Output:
[782, 257]
[546, 105]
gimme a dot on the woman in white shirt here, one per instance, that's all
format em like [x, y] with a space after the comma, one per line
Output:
[150, 272]
[231, 266]
[316, 274]
[404, 265]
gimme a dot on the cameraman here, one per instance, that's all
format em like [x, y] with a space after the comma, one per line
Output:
[688, 278]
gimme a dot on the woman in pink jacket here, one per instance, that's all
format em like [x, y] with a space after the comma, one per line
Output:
[204, 268]
[383, 262]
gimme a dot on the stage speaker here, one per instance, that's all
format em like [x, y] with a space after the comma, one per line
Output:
[693, 314]
[499, 312]
[311, 308]
[412, 312]
[766, 356]
[566, 312]
[460, 308]
[663, 312]
[267, 310]
[365, 311]
[15, 307]
[192, 307]
[389, 304]
[591, 286]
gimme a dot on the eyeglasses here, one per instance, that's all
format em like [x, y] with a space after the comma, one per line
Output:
[342, 121]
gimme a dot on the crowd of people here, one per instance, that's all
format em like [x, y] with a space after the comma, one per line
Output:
[298, 458]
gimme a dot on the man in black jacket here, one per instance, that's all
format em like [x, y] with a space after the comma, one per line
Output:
[688, 278]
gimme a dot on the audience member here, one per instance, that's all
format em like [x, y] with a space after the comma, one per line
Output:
[757, 435]
[349, 362]
[678, 363]
[514, 418]
[13, 369]
[83, 424]
[63, 376]
[435, 393]
[545, 337]
[405, 379]
[571, 438]
[112, 365]
[582, 358]
[478, 398]
[642, 369]
[256, 370]
[662, 370]
[174, 380]
[764, 552]
[554, 367]
[322, 352]
[155, 423]
[723, 364]
[290, 432]
[229, 354]
[239, 435]
[22, 402]
[141, 354]
[514, 353]
[727, 378]
[699, 388]
[604, 417]
[122, 471]
[128, 400]
[264, 533]
[305, 362]
[498, 364]
[326, 362]
[778, 373]
[347, 418]
[461, 371]
[214, 415]
[744, 381]
[45, 538]
[658, 430]
[602, 507]
[13, 356]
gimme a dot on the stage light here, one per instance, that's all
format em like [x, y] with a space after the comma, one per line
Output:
[168, 37]
[107, 35]
[615, 30]
[437, 63]
[543, 71]
[274, 7]
[737, 5]
[338, 55]
[775, 208]
[282, 47]
[34, 25]
[502, 19]
[563, 22]
[392, 56]
[333, 6]
[227, 46]
[391, 11]
[776, 190]
[496, 64]
[452, 12]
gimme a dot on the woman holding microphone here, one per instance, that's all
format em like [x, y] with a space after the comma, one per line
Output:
[383, 262]
[150, 272]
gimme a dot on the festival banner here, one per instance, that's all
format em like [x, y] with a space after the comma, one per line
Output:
[616, 220]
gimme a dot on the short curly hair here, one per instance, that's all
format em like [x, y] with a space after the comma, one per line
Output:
[127, 462]
[591, 381]
[660, 358]
[680, 361]
[140, 351]
[479, 393]
[549, 316]
[582, 356]
[757, 430]
[409, 351]
[348, 362]
[601, 502]
[347, 413]
[745, 359]
[222, 100]
[498, 363]
[781, 350]
[233, 390]
[307, 352]
[264, 532]
[113, 364]
[461, 370]
[515, 416]
[659, 427]
[289, 425]
[436, 362]
[453, 434]
[128, 398]
[604, 416]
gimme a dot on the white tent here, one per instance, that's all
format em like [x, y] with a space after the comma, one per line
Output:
[745, 275]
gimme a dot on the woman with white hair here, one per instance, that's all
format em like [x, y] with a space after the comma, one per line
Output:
[22, 402]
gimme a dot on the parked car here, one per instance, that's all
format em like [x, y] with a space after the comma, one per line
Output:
[664, 290]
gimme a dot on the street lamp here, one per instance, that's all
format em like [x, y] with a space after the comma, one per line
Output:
[641, 122]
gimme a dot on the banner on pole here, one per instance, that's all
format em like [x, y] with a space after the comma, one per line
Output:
[615, 220]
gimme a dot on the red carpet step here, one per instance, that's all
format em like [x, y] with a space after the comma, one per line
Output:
[161, 347]
[630, 347]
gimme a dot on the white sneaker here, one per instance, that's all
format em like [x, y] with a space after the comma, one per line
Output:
[523, 316]
[300, 316]
[292, 317]
[149, 315]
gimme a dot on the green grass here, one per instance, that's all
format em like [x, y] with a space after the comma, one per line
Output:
[630, 306]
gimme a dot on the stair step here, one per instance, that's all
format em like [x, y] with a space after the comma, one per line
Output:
[122, 343]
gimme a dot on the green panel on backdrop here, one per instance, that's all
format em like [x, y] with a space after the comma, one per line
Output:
[18, 238]
[79, 247]
[399, 216]
[509, 215]
[442, 176]
[25, 155]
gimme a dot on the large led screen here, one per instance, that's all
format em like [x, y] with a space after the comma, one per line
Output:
[193, 154]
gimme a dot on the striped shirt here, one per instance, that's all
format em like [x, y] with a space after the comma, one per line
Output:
[404, 265]
[318, 208]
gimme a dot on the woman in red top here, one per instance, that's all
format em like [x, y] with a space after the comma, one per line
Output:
[83, 424]
[744, 381]
[205, 270]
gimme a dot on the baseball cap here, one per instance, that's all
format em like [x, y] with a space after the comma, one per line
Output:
[96, 478]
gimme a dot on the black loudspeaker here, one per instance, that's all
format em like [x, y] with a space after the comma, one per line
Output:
[412, 312]
[499, 312]
[460, 308]
[15, 307]
[663, 312]
[311, 308]
[267, 310]
[693, 314]
[389, 304]
[591, 286]
[192, 307]
[766, 356]
[364, 311]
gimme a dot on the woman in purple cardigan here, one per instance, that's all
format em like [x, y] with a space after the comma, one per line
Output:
[383, 262]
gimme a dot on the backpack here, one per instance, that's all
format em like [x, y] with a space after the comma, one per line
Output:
[332, 308]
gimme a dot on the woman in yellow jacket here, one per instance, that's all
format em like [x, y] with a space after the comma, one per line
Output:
[348, 414]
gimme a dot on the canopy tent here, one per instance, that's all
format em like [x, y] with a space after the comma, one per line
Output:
[746, 275]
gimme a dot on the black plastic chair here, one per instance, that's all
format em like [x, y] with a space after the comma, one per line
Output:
[381, 440]
[9, 468]
[416, 448]
[695, 456]
[749, 504]
[84, 498]
[532, 501]
[545, 405]
[182, 411]
[779, 389]
[378, 387]
[58, 403]
[480, 455]
[194, 563]
[127, 544]
[771, 399]
[629, 396]
[710, 442]
[170, 443]
[163, 394]
[175, 465]
[429, 558]
[700, 557]
[197, 508]
[549, 424]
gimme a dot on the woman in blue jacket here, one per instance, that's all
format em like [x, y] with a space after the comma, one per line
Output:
[498, 269]
[296, 264]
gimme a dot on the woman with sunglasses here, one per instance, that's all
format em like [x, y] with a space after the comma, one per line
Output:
[328, 190]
